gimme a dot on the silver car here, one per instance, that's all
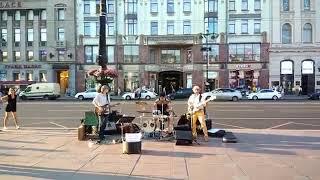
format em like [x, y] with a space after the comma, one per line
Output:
[224, 94]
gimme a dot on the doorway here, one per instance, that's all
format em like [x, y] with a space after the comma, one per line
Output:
[170, 81]
[63, 80]
[307, 83]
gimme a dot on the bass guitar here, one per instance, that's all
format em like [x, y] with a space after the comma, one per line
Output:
[104, 109]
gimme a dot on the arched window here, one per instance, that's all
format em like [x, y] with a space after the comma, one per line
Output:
[286, 34]
[307, 33]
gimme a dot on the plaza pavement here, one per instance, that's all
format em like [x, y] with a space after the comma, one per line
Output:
[259, 155]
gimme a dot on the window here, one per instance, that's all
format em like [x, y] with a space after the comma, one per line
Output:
[131, 6]
[60, 34]
[91, 53]
[307, 33]
[232, 5]
[43, 76]
[244, 52]
[4, 55]
[42, 55]
[170, 56]
[152, 56]
[4, 16]
[30, 35]
[61, 14]
[110, 28]
[61, 54]
[211, 6]
[186, 5]
[286, 34]
[16, 76]
[306, 4]
[98, 29]
[43, 15]
[244, 5]
[244, 26]
[98, 7]
[4, 35]
[131, 54]
[30, 15]
[29, 76]
[213, 54]
[211, 24]
[132, 26]
[17, 56]
[86, 7]
[87, 29]
[186, 27]
[154, 28]
[17, 16]
[257, 5]
[30, 56]
[110, 8]
[16, 35]
[170, 6]
[232, 27]
[257, 26]
[110, 51]
[153, 6]
[43, 35]
[170, 27]
[285, 5]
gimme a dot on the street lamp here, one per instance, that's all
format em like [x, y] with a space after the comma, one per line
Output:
[102, 57]
[212, 36]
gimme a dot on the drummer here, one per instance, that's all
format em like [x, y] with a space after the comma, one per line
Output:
[162, 106]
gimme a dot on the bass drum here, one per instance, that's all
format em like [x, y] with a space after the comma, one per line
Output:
[148, 126]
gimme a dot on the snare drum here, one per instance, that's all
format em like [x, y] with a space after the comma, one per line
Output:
[156, 112]
[148, 126]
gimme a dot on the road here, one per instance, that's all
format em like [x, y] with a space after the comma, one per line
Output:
[246, 114]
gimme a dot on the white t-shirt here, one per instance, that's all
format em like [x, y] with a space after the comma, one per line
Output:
[101, 100]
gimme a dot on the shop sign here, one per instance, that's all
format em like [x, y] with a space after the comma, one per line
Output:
[286, 67]
[211, 74]
[10, 4]
[22, 66]
[307, 67]
[243, 66]
[153, 68]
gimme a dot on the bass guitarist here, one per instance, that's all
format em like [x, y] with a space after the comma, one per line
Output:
[102, 107]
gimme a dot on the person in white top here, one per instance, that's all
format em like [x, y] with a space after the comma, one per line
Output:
[196, 105]
[102, 105]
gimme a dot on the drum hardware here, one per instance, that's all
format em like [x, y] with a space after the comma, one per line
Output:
[148, 126]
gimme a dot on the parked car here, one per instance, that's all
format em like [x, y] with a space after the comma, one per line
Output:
[145, 94]
[41, 91]
[314, 96]
[88, 94]
[224, 94]
[180, 94]
[244, 91]
[265, 94]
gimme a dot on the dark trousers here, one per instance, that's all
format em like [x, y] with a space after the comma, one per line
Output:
[103, 119]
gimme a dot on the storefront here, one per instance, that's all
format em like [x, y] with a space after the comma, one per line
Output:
[286, 76]
[244, 75]
[307, 76]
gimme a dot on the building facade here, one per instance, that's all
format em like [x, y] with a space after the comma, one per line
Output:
[295, 45]
[37, 43]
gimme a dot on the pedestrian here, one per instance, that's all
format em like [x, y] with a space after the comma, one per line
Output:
[11, 98]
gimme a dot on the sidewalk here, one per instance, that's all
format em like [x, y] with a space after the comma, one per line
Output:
[259, 155]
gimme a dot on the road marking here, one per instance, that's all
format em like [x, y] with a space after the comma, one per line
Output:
[58, 125]
[231, 110]
[273, 127]
[306, 124]
[268, 118]
[64, 110]
[230, 125]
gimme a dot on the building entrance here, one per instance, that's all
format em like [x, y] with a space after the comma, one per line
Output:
[170, 81]
[63, 80]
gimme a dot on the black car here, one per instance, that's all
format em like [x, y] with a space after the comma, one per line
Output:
[314, 96]
[180, 94]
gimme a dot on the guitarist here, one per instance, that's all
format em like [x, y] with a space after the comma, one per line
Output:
[102, 106]
[197, 104]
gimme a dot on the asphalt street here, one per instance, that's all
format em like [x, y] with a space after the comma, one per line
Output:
[245, 115]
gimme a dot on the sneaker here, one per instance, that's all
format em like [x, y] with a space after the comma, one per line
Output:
[17, 127]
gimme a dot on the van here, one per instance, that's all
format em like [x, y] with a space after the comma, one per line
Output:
[41, 91]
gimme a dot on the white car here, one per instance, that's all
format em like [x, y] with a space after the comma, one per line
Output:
[145, 94]
[88, 94]
[265, 94]
[224, 94]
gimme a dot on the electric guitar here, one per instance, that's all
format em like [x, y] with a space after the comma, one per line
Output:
[104, 109]
[194, 109]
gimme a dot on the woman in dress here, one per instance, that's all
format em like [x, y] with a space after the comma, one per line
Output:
[11, 107]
